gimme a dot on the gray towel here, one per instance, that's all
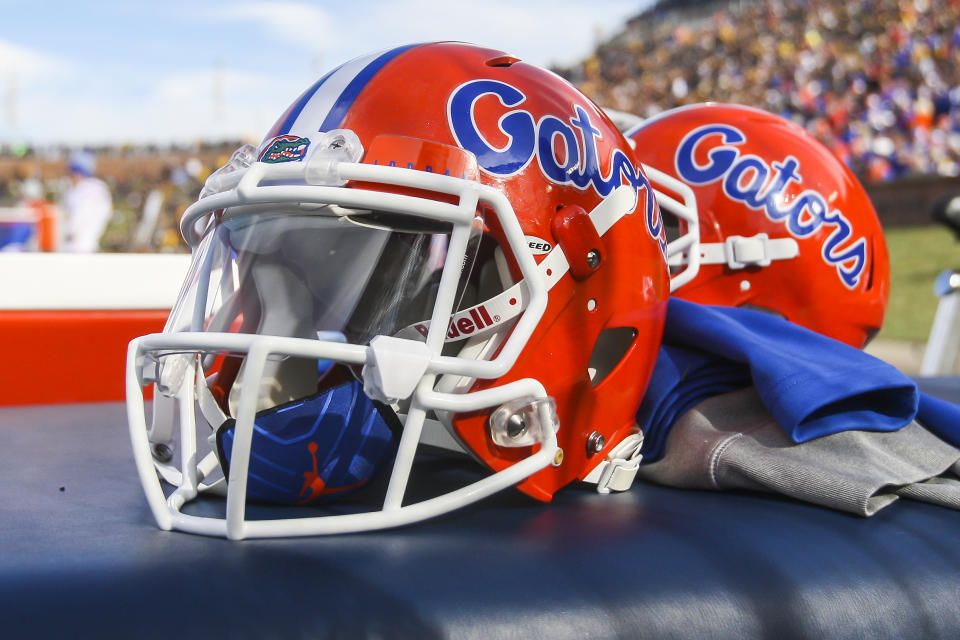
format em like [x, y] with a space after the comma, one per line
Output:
[730, 441]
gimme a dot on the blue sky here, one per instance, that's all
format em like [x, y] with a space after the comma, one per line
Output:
[95, 72]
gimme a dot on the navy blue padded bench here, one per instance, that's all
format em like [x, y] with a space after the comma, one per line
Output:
[80, 556]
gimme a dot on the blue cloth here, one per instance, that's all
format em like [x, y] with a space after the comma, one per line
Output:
[681, 379]
[940, 417]
[811, 385]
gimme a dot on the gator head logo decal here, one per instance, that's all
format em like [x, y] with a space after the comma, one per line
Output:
[285, 149]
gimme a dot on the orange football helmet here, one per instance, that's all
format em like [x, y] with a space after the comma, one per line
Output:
[435, 235]
[784, 226]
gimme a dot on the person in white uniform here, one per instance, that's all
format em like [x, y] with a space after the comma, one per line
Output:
[87, 206]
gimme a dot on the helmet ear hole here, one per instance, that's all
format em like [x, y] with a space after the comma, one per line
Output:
[762, 309]
[609, 349]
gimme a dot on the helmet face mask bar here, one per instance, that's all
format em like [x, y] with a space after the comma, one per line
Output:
[423, 361]
[683, 252]
[483, 256]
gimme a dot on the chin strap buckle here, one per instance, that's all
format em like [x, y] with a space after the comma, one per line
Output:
[619, 468]
[740, 252]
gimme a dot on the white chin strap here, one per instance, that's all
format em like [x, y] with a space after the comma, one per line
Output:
[739, 252]
[687, 251]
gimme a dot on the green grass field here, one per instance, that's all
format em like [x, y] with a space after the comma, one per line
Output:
[917, 256]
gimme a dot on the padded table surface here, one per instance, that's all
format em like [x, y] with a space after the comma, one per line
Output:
[80, 556]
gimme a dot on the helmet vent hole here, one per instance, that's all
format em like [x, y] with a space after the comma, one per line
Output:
[502, 61]
[871, 254]
[610, 348]
[673, 227]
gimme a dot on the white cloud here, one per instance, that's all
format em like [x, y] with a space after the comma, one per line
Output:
[543, 32]
[28, 63]
[25, 73]
[296, 25]
[222, 103]
[270, 53]
[177, 106]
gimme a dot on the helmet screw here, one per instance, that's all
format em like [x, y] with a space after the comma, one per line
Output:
[595, 443]
[593, 258]
[162, 452]
[558, 458]
[516, 426]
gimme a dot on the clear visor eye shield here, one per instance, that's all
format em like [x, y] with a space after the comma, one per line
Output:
[341, 431]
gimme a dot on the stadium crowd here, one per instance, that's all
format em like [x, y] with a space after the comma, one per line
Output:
[878, 81]
[150, 188]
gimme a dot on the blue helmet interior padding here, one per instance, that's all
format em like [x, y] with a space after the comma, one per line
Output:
[317, 448]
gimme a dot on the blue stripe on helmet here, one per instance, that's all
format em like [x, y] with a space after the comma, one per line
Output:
[342, 105]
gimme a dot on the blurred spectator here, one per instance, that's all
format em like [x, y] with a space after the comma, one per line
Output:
[150, 185]
[31, 222]
[87, 206]
[878, 81]
[30, 187]
[14, 233]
